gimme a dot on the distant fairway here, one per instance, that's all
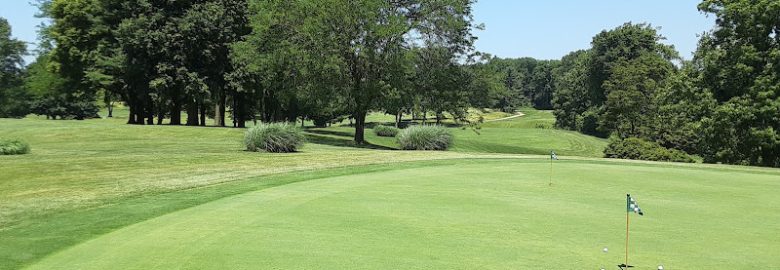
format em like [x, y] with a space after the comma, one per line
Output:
[532, 133]
[463, 214]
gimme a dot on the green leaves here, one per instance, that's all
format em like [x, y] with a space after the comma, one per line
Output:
[13, 97]
[738, 64]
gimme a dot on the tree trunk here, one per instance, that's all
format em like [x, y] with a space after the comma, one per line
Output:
[149, 111]
[109, 107]
[398, 117]
[219, 112]
[131, 117]
[360, 127]
[192, 113]
[218, 116]
[202, 114]
[150, 118]
[222, 110]
[160, 115]
[136, 115]
[175, 114]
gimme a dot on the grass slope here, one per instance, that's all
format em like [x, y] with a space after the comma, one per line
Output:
[463, 214]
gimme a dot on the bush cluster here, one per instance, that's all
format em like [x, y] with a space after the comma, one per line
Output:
[639, 149]
[274, 137]
[53, 107]
[14, 147]
[425, 138]
[385, 131]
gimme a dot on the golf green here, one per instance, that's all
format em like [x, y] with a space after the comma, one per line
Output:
[465, 214]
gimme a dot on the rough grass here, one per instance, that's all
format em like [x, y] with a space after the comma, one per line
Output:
[14, 147]
[84, 163]
[425, 137]
[274, 138]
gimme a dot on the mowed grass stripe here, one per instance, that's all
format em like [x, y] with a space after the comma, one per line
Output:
[462, 214]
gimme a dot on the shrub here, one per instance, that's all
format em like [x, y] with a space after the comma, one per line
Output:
[425, 138]
[588, 123]
[636, 148]
[14, 147]
[385, 131]
[274, 137]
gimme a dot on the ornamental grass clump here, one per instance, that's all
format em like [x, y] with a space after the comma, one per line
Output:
[274, 138]
[426, 137]
[385, 131]
[14, 147]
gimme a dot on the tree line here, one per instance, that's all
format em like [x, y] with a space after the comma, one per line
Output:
[253, 60]
[723, 105]
[325, 60]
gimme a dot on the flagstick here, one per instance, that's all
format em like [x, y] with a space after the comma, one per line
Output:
[627, 222]
[551, 170]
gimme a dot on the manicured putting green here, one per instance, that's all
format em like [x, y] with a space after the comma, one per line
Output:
[466, 214]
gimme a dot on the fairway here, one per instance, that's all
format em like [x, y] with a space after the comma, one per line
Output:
[464, 214]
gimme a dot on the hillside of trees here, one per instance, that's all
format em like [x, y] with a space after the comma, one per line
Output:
[322, 60]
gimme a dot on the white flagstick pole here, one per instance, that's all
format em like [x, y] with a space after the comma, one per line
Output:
[551, 169]
[628, 217]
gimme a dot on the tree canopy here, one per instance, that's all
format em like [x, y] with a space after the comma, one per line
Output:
[12, 97]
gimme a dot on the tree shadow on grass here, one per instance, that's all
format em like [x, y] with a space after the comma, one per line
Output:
[406, 123]
[318, 137]
[327, 132]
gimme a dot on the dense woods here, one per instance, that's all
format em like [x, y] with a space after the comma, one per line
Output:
[235, 61]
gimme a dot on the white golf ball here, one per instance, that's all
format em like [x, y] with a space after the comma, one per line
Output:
[605, 250]
[660, 267]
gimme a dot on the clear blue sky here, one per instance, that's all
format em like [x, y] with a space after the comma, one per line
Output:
[549, 29]
[544, 29]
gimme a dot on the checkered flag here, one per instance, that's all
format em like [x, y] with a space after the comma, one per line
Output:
[632, 206]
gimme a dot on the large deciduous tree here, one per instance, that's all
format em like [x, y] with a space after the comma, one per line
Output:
[738, 63]
[361, 39]
[13, 98]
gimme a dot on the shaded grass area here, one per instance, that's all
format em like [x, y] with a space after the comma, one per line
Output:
[462, 214]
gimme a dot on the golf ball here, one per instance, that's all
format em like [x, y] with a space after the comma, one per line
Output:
[605, 250]
[660, 267]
